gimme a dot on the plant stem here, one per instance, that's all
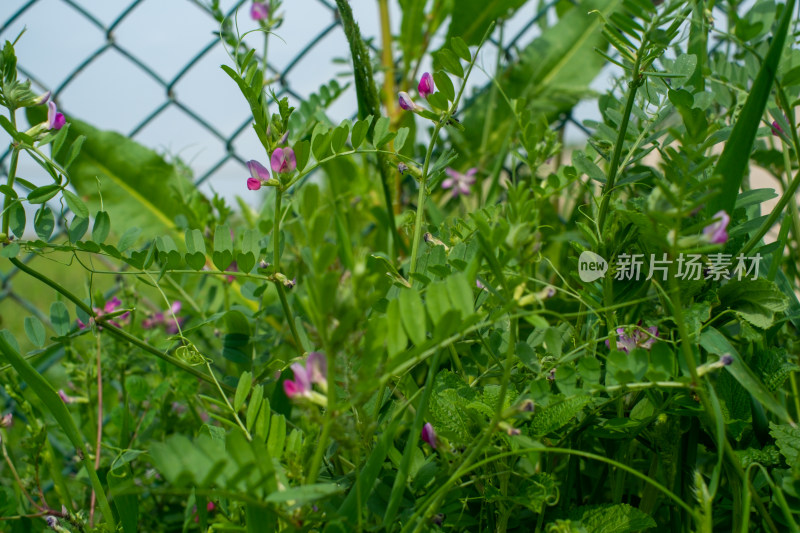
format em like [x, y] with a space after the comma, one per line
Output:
[614, 164]
[99, 441]
[12, 176]
[423, 183]
[276, 257]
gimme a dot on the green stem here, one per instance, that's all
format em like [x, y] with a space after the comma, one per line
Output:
[423, 187]
[287, 310]
[614, 165]
[12, 176]
[319, 452]
[276, 231]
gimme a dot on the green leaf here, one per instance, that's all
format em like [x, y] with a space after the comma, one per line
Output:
[756, 301]
[75, 204]
[612, 518]
[445, 85]
[11, 250]
[77, 228]
[555, 416]
[41, 194]
[305, 494]
[381, 135]
[339, 137]
[460, 292]
[400, 140]
[254, 406]
[223, 247]
[44, 222]
[102, 226]
[59, 317]
[788, 440]
[471, 18]
[360, 130]
[302, 151]
[396, 338]
[460, 48]
[449, 62]
[34, 329]
[16, 217]
[195, 249]
[412, 314]
[734, 161]
[242, 390]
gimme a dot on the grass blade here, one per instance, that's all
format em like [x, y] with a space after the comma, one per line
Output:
[734, 160]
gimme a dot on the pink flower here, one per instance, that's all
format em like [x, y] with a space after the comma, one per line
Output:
[776, 129]
[425, 87]
[458, 182]
[55, 119]
[637, 339]
[429, 435]
[6, 420]
[407, 103]
[110, 306]
[165, 319]
[314, 371]
[283, 160]
[259, 11]
[259, 175]
[716, 232]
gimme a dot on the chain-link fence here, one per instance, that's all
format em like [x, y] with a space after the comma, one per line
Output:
[163, 101]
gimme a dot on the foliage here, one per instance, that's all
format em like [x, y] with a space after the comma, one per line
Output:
[435, 320]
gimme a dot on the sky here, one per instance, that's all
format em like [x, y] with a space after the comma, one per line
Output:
[112, 92]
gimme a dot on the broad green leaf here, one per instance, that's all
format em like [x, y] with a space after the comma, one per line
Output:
[195, 249]
[16, 217]
[471, 18]
[449, 61]
[460, 292]
[360, 130]
[460, 48]
[77, 228]
[445, 85]
[75, 204]
[242, 390]
[59, 317]
[41, 194]
[34, 329]
[44, 222]
[412, 313]
[396, 338]
[102, 226]
[223, 247]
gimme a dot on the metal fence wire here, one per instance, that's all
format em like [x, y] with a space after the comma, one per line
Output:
[170, 99]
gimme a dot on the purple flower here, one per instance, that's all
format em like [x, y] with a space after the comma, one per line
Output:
[314, 371]
[429, 435]
[777, 131]
[283, 160]
[259, 175]
[638, 338]
[55, 120]
[259, 11]
[402, 168]
[407, 103]
[726, 359]
[425, 87]
[716, 232]
[458, 182]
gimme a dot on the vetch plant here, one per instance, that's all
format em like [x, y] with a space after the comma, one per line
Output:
[359, 352]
